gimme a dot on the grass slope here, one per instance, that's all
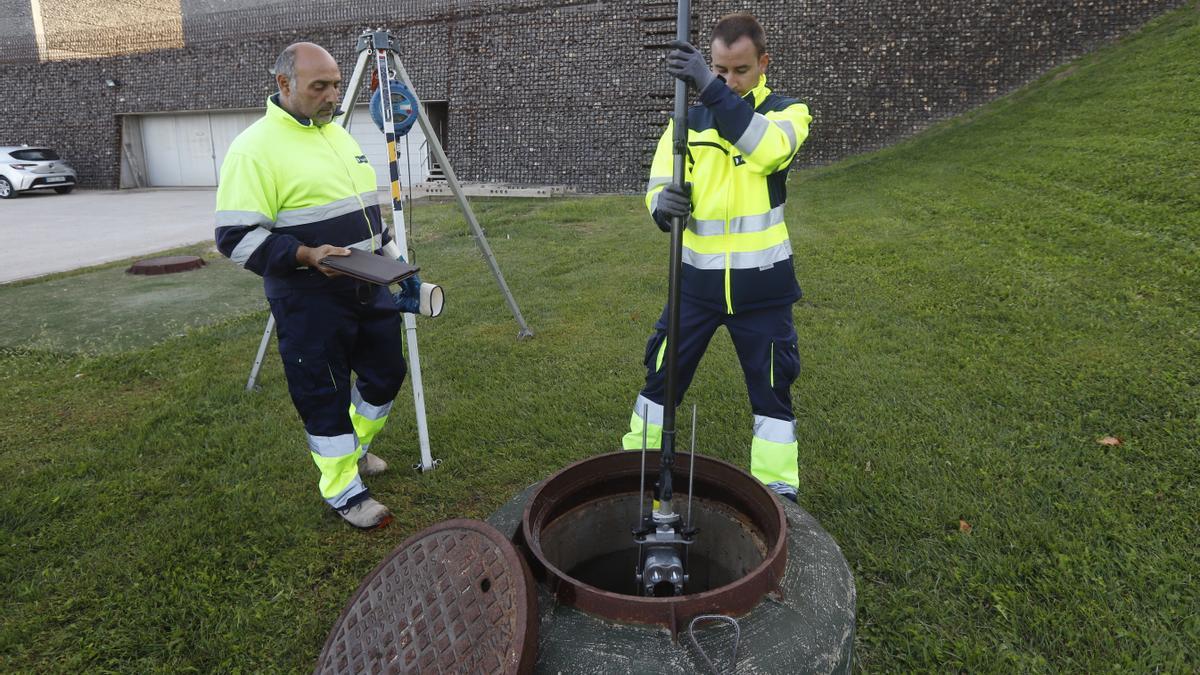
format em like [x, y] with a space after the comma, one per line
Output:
[982, 304]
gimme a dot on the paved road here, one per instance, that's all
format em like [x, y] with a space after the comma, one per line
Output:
[44, 232]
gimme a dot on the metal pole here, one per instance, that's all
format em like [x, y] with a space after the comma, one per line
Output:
[642, 473]
[440, 154]
[692, 468]
[262, 350]
[382, 44]
[682, 32]
[414, 365]
[350, 93]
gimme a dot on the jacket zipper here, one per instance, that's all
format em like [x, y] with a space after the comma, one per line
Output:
[353, 188]
[728, 242]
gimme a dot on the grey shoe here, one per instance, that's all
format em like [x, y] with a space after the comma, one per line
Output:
[371, 465]
[367, 514]
[783, 490]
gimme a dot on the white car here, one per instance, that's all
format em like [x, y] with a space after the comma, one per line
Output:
[24, 167]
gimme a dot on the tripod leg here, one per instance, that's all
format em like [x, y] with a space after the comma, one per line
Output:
[350, 91]
[401, 236]
[414, 370]
[440, 154]
[262, 350]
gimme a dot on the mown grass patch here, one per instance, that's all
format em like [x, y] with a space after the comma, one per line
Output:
[983, 304]
[105, 309]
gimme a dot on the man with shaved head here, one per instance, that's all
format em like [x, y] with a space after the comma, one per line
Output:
[294, 190]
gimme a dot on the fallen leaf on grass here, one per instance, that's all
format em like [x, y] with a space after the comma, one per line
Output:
[1109, 440]
[964, 526]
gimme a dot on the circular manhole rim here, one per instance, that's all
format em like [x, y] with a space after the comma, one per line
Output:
[552, 498]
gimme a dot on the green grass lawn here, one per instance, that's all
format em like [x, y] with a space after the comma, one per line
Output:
[106, 310]
[983, 304]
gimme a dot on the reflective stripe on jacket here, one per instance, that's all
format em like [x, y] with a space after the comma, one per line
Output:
[285, 182]
[736, 252]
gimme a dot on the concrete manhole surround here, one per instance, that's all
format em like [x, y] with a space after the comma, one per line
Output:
[806, 625]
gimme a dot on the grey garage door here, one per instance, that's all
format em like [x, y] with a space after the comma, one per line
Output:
[186, 149]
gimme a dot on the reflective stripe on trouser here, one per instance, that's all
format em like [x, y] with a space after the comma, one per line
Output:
[323, 337]
[654, 415]
[765, 341]
[774, 454]
[337, 458]
[696, 327]
[368, 419]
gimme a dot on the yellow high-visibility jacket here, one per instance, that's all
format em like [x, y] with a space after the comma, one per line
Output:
[287, 182]
[736, 252]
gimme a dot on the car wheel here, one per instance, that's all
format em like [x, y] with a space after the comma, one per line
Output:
[64, 190]
[6, 189]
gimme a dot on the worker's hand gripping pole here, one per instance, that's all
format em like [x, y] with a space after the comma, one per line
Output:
[678, 224]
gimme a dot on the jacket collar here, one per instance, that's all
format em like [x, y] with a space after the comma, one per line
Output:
[276, 111]
[759, 93]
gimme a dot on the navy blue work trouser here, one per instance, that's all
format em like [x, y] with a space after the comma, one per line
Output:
[765, 341]
[323, 336]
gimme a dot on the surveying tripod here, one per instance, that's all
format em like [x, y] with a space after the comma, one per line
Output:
[384, 48]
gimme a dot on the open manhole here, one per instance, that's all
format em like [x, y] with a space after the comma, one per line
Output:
[577, 525]
[166, 265]
[454, 598]
[728, 549]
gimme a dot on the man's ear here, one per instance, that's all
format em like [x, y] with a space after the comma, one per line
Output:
[284, 85]
[764, 61]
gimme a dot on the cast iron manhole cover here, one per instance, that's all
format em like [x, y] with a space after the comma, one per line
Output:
[456, 598]
[167, 265]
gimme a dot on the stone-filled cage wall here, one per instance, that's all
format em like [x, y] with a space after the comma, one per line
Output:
[562, 93]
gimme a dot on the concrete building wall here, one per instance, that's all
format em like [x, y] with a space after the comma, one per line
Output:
[573, 92]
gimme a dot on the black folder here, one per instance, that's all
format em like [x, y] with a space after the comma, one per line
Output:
[369, 267]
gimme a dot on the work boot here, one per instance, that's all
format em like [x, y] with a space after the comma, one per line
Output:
[783, 490]
[371, 465]
[367, 514]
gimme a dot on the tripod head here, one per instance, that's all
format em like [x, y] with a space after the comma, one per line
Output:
[377, 39]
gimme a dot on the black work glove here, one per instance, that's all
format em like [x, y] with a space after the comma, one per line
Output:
[687, 63]
[673, 201]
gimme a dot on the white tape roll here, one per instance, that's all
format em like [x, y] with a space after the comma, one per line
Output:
[433, 299]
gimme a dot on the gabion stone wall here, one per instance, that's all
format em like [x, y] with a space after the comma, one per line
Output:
[16, 28]
[573, 93]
